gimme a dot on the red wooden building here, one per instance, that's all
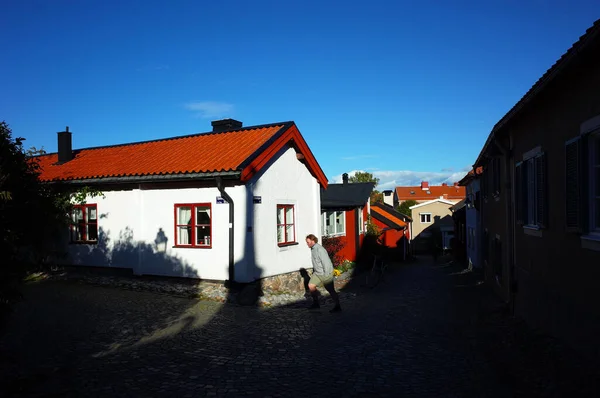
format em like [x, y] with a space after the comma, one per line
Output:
[394, 228]
[344, 212]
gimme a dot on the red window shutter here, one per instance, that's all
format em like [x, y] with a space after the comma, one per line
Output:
[540, 186]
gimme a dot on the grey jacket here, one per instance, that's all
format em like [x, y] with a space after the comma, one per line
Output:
[320, 260]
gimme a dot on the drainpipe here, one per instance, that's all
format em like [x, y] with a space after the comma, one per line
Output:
[228, 199]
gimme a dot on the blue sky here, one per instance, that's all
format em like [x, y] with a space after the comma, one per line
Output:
[404, 90]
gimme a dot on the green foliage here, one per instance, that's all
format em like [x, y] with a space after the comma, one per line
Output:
[372, 228]
[33, 215]
[376, 197]
[80, 196]
[345, 266]
[404, 207]
[5, 196]
[333, 245]
[363, 176]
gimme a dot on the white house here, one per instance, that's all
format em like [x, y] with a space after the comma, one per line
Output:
[231, 204]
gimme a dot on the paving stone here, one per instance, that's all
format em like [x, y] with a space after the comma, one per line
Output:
[413, 335]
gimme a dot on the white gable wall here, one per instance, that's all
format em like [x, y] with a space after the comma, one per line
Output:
[286, 181]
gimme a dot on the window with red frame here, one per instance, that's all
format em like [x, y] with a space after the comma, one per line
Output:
[285, 225]
[193, 225]
[84, 227]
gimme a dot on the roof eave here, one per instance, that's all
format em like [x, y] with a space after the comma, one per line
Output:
[150, 178]
[540, 84]
[387, 221]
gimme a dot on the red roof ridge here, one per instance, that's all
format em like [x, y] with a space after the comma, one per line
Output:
[176, 137]
[239, 153]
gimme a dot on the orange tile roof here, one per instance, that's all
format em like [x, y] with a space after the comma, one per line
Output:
[388, 216]
[244, 150]
[404, 193]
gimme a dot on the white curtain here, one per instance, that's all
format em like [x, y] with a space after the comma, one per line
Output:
[330, 223]
[280, 226]
[289, 221]
[77, 219]
[340, 221]
[184, 222]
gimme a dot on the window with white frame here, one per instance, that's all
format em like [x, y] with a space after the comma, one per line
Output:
[333, 223]
[84, 226]
[530, 193]
[286, 233]
[361, 221]
[582, 172]
[193, 227]
[425, 218]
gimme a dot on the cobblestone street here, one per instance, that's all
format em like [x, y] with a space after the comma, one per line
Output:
[414, 335]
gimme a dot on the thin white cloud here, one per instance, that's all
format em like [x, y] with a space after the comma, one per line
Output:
[403, 178]
[210, 109]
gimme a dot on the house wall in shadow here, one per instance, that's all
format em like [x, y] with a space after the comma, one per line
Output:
[127, 253]
[433, 235]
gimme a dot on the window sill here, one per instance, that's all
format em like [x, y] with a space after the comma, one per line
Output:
[532, 230]
[591, 242]
[335, 235]
[287, 244]
[190, 247]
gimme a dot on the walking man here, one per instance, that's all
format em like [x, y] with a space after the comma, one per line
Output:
[322, 274]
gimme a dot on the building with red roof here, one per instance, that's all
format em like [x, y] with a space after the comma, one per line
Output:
[234, 203]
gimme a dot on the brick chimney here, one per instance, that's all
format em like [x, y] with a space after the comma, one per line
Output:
[456, 185]
[424, 185]
[444, 184]
[65, 146]
[225, 125]
[345, 178]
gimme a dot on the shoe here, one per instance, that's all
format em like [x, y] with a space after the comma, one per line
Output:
[337, 308]
[314, 306]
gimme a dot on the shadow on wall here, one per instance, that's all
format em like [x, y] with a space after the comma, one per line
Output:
[246, 268]
[126, 252]
[431, 237]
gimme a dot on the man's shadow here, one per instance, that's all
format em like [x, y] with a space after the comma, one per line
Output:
[305, 279]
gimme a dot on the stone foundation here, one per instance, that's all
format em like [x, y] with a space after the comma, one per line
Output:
[292, 282]
[279, 290]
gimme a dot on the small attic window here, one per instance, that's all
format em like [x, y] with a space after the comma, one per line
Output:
[412, 192]
[428, 192]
